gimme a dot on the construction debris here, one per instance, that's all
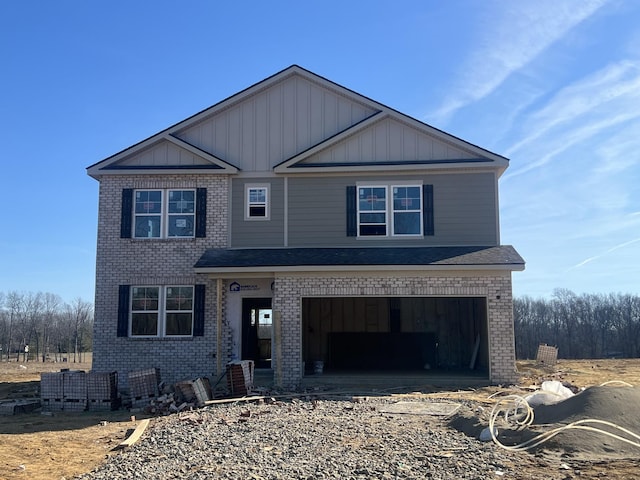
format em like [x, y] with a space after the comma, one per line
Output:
[135, 436]
[547, 354]
[77, 391]
[13, 407]
[443, 409]
[143, 386]
[240, 377]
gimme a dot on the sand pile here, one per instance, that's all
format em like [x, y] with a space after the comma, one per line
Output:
[618, 405]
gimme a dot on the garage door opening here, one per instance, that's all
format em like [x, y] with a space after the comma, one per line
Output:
[407, 334]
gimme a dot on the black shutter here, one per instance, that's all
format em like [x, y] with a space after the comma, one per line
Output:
[123, 310]
[201, 212]
[352, 212]
[125, 214]
[427, 209]
[198, 310]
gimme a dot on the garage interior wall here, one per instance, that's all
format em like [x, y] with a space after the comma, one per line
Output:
[405, 333]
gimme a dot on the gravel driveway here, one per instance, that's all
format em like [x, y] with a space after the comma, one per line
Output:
[316, 439]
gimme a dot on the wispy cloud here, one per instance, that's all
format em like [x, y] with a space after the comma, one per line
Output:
[615, 153]
[610, 250]
[510, 37]
[560, 142]
[619, 81]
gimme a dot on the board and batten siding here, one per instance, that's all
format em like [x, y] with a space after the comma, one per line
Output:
[264, 129]
[465, 211]
[389, 140]
[164, 154]
[257, 233]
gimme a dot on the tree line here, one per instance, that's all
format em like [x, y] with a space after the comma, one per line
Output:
[581, 326]
[40, 326]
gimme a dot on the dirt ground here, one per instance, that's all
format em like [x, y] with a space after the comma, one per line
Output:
[60, 446]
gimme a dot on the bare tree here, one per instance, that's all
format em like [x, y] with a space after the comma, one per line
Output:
[51, 307]
[582, 326]
[32, 318]
[79, 313]
[13, 304]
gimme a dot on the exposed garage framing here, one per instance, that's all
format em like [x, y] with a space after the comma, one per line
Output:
[403, 334]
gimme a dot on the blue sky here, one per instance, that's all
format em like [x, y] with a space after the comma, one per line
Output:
[554, 85]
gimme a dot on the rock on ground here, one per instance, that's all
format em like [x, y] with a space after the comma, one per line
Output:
[316, 439]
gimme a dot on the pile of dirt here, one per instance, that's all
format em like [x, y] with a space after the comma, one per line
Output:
[617, 405]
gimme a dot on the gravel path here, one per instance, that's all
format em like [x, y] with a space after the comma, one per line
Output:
[314, 439]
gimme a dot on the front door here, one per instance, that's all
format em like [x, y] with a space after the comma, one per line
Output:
[257, 328]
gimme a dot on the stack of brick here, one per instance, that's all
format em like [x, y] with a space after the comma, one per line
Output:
[143, 386]
[75, 391]
[240, 377]
[195, 391]
[102, 391]
[64, 391]
[52, 391]
[188, 394]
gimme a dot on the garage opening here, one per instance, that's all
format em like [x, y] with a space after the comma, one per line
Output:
[366, 334]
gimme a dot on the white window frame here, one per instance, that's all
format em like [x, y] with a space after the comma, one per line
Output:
[249, 204]
[389, 209]
[419, 211]
[365, 212]
[162, 311]
[164, 214]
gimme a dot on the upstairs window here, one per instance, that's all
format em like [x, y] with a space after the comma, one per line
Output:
[407, 210]
[372, 211]
[257, 202]
[390, 210]
[399, 215]
[164, 213]
[181, 213]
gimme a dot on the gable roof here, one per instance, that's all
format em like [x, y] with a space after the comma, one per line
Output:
[175, 148]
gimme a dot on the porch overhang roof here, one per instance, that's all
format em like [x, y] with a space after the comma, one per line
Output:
[352, 259]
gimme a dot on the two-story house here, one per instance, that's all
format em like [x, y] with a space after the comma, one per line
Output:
[299, 222]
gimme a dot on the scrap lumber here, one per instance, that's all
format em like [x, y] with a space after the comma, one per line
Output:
[135, 436]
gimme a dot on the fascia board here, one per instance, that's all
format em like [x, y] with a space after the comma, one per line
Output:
[451, 167]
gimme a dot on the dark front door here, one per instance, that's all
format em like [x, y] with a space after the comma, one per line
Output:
[257, 328]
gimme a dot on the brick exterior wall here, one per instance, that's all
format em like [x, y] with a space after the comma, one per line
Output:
[170, 262]
[128, 261]
[496, 287]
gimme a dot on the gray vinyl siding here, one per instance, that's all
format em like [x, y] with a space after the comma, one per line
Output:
[257, 233]
[273, 125]
[465, 211]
